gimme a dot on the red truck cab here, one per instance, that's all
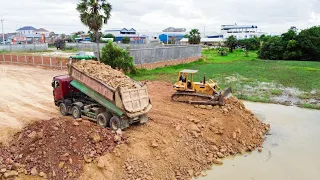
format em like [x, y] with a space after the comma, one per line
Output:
[61, 88]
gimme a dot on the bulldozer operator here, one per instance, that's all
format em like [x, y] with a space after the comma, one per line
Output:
[183, 78]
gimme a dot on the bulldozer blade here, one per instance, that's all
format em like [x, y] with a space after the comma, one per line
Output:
[227, 93]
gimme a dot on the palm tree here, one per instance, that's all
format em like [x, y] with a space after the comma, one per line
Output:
[94, 13]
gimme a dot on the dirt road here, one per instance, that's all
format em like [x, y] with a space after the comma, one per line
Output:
[25, 96]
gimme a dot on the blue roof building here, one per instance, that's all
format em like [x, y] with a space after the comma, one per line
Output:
[27, 28]
[167, 37]
[124, 32]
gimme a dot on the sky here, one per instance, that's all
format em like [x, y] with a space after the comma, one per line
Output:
[61, 16]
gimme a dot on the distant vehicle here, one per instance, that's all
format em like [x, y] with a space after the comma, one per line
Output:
[60, 44]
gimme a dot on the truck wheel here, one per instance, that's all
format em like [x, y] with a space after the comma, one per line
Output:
[76, 112]
[115, 123]
[63, 109]
[103, 119]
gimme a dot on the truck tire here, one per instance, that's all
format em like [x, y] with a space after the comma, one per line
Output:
[76, 112]
[115, 123]
[63, 109]
[103, 119]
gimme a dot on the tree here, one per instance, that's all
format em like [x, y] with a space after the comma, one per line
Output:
[231, 43]
[272, 49]
[51, 34]
[117, 58]
[250, 43]
[110, 36]
[63, 36]
[186, 36]
[194, 36]
[93, 37]
[172, 40]
[94, 13]
[309, 42]
[125, 40]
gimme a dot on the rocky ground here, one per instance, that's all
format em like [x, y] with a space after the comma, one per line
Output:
[180, 141]
[105, 74]
[55, 149]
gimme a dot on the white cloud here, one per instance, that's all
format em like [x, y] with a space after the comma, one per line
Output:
[145, 15]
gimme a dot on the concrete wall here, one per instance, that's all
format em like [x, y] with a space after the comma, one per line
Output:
[24, 47]
[93, 46]
[168, 53]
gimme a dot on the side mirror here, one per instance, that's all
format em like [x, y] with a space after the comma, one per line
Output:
[57, 84]
[52, 84]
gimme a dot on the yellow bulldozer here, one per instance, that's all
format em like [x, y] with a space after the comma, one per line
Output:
[202, 93]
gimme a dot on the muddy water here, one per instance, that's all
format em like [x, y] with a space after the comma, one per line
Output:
[291, 152]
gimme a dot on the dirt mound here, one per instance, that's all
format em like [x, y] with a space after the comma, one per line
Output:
[180, 140]
[55, 149]
[105, 74]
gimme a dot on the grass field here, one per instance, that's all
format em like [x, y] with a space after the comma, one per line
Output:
[267, 78]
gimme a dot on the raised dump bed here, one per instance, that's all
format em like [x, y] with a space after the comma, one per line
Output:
[132, 102]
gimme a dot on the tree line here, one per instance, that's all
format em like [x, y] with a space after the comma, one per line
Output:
[292, 45]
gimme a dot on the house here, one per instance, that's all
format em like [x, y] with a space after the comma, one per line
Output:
[131, 33]
[26, 30]
[30, 31]
[172, 29]
[42, 31]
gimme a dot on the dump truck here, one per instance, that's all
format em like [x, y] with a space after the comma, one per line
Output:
[81, 95]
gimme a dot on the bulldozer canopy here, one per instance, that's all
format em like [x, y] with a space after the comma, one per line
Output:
[189, 71]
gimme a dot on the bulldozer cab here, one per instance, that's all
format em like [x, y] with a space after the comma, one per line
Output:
[185, 80]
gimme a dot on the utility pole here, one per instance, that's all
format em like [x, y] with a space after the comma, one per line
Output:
[2, 31]
[167, 37]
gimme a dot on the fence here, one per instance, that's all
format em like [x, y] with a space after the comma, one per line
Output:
[50, 62]
[167, 53]
[24, 47]
[93, 46]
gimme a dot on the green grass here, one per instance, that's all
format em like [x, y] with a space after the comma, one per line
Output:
[264, 99]
[217, 67]
[276, 92]
[69, 50]
[311, 106]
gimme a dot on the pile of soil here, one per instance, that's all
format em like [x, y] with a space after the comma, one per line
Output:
[181, 141]
[55, 149]
[105, 74]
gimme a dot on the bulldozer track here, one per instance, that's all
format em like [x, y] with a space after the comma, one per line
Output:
[193, 98]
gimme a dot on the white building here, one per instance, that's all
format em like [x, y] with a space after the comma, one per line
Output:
[239, 31]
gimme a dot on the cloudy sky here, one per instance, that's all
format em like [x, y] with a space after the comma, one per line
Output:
[61, 16]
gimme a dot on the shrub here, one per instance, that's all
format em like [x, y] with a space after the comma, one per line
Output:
[125, 40]
[117, 58]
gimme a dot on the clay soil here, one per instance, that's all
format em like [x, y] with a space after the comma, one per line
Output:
[55, 149]
[105, 74]
[180, 141]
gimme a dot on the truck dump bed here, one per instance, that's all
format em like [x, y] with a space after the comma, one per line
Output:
[132, 102]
